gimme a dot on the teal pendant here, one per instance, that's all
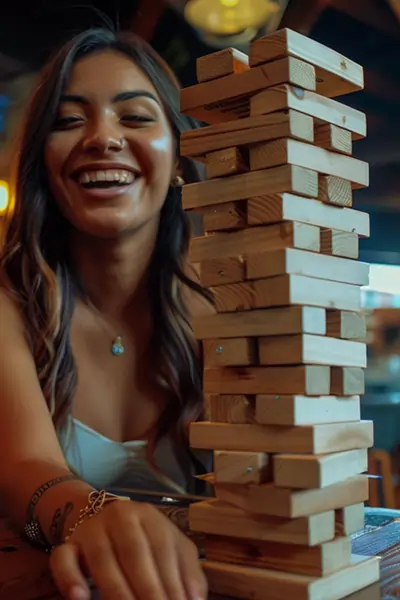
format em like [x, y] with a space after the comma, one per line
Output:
[117, 349]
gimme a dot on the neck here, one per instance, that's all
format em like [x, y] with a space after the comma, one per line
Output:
[115, 271]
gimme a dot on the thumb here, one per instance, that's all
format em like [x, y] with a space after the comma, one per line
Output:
[67, 574]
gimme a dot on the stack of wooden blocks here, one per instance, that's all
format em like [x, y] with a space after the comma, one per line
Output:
[285, 352]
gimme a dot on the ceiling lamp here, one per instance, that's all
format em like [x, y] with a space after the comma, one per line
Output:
[229, 17]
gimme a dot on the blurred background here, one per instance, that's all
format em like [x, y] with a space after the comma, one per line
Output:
[367, 31]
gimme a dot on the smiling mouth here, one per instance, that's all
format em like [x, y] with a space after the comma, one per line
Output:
[106, 178]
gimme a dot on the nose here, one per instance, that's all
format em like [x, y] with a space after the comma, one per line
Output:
[102, 137]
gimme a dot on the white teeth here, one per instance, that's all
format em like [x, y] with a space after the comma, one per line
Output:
[121, 176]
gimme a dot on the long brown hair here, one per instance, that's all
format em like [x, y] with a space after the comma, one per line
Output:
[36, 266]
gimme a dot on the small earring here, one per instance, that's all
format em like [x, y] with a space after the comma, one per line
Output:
[177, 181]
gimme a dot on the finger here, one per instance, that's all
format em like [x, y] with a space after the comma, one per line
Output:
[137, 562]
[64, 564]
[163, 547]
[105, 570]
[192, 574]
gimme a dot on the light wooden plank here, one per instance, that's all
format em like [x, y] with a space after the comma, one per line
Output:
[311, 380]
[267, 499]
[239, 351]
[336, 74]
[334, 138]
[251, 241]
[245, 582]
[347, 381]
[326, 558]
[314, 471]
[345, 324]
[244, 132]
[242, 467]
[335, 190]
[285, 290]
[228, 98]
[228, 161]
[247, 185]
[276, 321]
[221, 63]
[312, 350]
[316, 439]
[325, 110]
[339, 243]
[294, 410]
[273, 208]
[293, 261]
[293, 152]
[216, 517]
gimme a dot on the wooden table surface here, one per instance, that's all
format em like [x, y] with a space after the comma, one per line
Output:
[24, 573]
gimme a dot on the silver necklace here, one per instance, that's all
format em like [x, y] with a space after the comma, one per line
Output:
[117, 345]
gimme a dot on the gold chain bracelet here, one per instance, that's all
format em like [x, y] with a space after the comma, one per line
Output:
[96, 502]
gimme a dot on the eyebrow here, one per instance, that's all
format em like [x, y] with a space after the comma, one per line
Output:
[121, 97]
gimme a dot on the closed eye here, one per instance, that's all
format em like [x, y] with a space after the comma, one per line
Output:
[138, 119]
[66, 122]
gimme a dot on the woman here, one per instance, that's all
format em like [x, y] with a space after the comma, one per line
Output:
[101, 374]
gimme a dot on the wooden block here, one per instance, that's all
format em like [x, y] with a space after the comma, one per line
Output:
[225, 162]
[305, 410]
[276, 321]
[292, 261]
[313, 471]
[371, 592]
[324, 110]
[339, 243]
[247, 185]
[336, 74]
[267, 499]
[231, 408]
[288, 207]
[253, 240]
[293, 152]
[218, 518]
[221, 270]
[228, 98]
[310, 380]
[346, 325]
[242, 467]
[347, 381]
[232, 352]
[235, 581]
[244, 132]
[231, 215]
[221, 63]
[316, 439]
[334, 138]
[349, 519]
[335, 190]
[311, 349]
[296, 289]
[321, 560]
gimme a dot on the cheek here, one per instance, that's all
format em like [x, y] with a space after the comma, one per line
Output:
[162, 152]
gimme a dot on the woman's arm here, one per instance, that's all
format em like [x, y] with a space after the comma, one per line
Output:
[31, 455]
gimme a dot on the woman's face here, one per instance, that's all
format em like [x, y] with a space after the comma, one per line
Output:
[110, 157]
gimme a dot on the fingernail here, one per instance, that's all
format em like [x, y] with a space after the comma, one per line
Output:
[79, 593]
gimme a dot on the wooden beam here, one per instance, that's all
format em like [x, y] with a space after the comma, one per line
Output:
[371, 13]
[302, 15]
[146, 18]
[395, 5]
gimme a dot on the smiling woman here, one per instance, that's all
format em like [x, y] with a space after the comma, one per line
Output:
[102, 374]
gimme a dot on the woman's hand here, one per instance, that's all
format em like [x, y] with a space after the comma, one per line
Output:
[132, 552]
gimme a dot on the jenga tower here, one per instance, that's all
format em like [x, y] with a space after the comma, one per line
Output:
[285, 353]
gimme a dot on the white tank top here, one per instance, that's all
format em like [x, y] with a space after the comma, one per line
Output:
[103, 463]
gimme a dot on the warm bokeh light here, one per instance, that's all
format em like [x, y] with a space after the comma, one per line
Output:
[4, 196]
